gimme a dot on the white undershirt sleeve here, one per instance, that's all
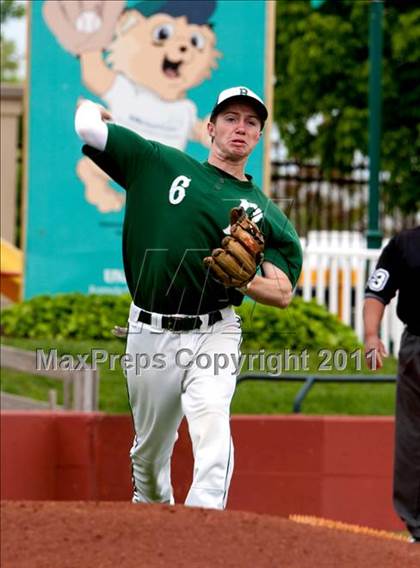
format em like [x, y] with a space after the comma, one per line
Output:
[89, 125]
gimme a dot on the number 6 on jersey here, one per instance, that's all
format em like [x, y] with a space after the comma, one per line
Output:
[177, 189]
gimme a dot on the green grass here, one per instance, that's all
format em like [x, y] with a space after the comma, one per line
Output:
[30, 386]
[258, 397]
[346, 399]
[251, 397]
[112, 389]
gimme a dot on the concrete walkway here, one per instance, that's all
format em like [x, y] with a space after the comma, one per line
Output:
[15, 402]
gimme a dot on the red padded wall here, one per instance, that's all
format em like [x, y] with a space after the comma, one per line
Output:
[332, 467]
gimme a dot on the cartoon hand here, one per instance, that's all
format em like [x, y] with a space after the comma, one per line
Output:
[98, 192]
[86, 25]
[200, 132]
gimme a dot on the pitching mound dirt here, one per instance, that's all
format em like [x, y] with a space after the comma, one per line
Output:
[78, 534]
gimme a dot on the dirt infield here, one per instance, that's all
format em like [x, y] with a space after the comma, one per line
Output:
[78, 534]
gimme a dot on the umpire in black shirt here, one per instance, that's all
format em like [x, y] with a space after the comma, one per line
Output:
[398, 268]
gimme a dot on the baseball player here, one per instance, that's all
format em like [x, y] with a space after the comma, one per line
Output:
[194, 236]
[398, 269]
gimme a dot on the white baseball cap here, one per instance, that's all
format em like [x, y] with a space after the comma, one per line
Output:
[242, 94]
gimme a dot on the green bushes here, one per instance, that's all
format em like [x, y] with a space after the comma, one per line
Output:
[66, 316]
[80, 317]
[303, 325]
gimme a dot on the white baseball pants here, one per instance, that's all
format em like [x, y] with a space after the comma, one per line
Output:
[178, 374]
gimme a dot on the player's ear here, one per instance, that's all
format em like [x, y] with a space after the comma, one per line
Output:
[210, 129]
[127, 20]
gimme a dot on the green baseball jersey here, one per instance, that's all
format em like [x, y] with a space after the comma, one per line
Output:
[177, 211]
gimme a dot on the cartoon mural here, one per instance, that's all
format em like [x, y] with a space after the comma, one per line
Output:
[153, 65]
[140, 59]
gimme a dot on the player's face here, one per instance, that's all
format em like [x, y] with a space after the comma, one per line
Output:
[236, 131]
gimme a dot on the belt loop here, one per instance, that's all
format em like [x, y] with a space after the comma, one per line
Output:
[134, 312]
[156, 320]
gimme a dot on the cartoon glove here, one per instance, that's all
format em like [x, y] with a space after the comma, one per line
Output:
[87, 25]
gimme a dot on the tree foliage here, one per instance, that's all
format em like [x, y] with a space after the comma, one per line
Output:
[10, 9]
[322, 68]
[9, 57]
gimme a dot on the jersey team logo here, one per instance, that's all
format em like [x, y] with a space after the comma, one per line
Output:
[378, 280]
[251, 209]
[255, 213]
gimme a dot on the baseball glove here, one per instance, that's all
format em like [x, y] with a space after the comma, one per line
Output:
[236, 262]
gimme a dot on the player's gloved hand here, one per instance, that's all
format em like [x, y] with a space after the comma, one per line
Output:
[83, 26]
[237, 261]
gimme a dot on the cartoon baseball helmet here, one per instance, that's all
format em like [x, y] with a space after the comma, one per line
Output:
[197, 12]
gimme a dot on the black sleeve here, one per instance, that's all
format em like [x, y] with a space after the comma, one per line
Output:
[125, 154]
[384, 281]
[103, 160]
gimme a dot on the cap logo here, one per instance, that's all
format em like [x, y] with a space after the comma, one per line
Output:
[240, 91]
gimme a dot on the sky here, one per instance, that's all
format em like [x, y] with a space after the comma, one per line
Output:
[15, 29]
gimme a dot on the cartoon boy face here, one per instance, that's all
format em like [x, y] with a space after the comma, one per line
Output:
[164, 53]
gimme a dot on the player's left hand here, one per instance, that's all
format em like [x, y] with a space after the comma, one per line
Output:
[105, 114]
[237, 261]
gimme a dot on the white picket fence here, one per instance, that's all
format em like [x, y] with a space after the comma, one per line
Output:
[336, 266]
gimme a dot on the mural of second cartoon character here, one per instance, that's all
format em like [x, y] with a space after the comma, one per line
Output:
[140, 60]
